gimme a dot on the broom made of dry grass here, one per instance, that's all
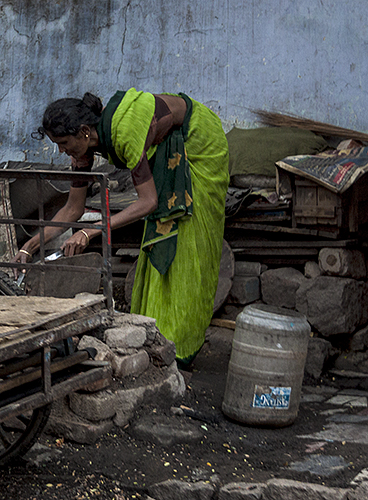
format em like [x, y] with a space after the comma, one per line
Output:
[281, 120]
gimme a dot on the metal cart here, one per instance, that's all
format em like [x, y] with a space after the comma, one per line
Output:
[38, 362]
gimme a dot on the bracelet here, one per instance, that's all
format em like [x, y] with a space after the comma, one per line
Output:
[25, 251]
[86, 235]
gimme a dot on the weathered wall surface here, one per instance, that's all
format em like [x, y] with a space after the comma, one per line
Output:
[301, 57]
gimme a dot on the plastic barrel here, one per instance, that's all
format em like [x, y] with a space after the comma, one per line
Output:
[266, 367]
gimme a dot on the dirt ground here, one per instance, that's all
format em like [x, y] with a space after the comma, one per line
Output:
[120, 466]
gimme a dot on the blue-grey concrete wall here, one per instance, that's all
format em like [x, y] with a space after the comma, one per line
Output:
[302, 57]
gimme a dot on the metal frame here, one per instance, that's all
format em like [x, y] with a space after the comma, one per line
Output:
[32, 374]
[42, 175]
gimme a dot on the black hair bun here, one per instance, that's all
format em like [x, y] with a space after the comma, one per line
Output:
[93, 103]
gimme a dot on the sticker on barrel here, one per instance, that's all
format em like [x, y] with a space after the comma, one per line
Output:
[271, 397]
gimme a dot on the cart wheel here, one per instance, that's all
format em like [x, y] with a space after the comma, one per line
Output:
[18, 434]
[9, 286]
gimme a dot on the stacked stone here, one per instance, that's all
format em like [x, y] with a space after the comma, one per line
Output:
[132, 345]
[332, 294]
[274, 489]
[246, 287]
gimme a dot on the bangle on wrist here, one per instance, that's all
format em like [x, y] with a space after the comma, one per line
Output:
[25, 251]
[86, 235]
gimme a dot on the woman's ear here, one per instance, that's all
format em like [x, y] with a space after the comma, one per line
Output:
[85, 130]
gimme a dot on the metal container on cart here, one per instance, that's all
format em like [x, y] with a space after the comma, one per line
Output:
[266, 366]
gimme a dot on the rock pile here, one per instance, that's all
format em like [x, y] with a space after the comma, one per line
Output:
[143, 368]
[332, 294]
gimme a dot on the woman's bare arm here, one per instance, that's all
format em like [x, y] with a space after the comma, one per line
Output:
[70, 212]
[145, 204]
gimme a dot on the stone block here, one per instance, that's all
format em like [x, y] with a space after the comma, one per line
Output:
[359, 493]
[171, 386]
[93, 407]
[166, 431]
[98, 385]
[79, 432]
[318, 353]
[124, 319]
[342, 262]
[279, 286]
[312, 270]
[173, 489]
[104, 353]
[126, 402]
[125, 351]
[64, 422]
[231, 311]
[359, 341]
[159, 339]
[332, 305]
[245, 290]
[162, 355]
[125, 336]
[352, 361]
[133, 365]
[364, 302]
[295, 490]
[241, 491]
[243, 268]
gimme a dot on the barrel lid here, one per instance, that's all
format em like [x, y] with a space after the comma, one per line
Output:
[270, 312]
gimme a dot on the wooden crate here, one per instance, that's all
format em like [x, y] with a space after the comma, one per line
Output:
[315, 206]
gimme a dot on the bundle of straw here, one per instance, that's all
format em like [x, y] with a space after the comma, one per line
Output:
[281, 120]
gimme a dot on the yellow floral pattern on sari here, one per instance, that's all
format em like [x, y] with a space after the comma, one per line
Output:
[188, 199]
[164, 227]
[174, 162]
[171, 173]
[171, 202]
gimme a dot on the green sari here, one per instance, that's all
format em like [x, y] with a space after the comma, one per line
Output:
[181, 300]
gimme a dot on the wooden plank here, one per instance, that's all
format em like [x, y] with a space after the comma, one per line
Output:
[264, 217]
[58, 365]
[268, 228]
[283, 182]
[267, 206]
[223, 323]
[44, 372]
[279, 261]
[18, 364]
[16, 345]
[248, 243]
[305, 197]
[333, 232]
[101, 370]
[24, 313]
[353, 214]
[278, 251]
[327, 198]
[314, 211]
[300, 182]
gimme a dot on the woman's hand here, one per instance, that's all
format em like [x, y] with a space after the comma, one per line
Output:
[76, 243]
[23, 256]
